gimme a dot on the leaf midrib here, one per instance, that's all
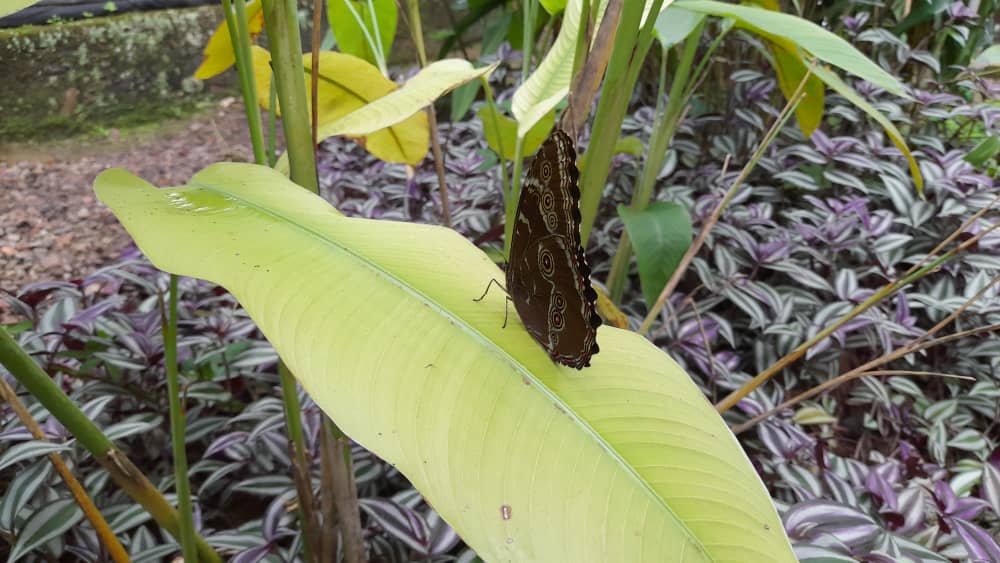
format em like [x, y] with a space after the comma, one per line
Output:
[461, 322]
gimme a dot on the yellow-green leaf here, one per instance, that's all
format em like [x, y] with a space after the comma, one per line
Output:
[219, 50]
[528, 460]
[403, 104]
[812, 415]
[839, 86]
[352, 39]
[553, 6]
[347, 84]
[815, 40]
[791, 69]
[506, 136]
[8, 7]
[630, 145]
[549, 84]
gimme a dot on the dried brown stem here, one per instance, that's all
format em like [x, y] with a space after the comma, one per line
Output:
[915, 345]
[588, 80]
[107, 537]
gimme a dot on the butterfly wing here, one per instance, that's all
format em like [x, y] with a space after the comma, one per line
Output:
[548, 277]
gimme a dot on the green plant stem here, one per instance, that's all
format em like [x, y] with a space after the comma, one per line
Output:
[239, 35]
[417, 33]
[177, 428]
[632, 42]
[513, 195]
[494, 112]
[300, 462]
[663, 133]
[124, 473]
[272, 126]
[286, 60]
[514, 191]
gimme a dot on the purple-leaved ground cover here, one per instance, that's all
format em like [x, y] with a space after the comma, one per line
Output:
[879, 470]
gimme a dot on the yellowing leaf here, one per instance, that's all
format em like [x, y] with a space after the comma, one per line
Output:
[610, 312]
[790, 68]
[11, 6]
[346, 84]
[507, 133]
[219, 50]
[529, 461]
[400, 110]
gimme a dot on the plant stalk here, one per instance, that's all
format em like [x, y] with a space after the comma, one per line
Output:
[239, 35]
[663, 133]
[101, 527]
[632, 42]
[417, 33]
[177, 425]
[286, 60]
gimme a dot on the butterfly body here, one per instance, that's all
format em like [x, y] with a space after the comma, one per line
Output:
[548, 278]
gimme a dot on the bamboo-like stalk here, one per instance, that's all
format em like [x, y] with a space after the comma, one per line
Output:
[667, 120]
[239, 36]
[104, 533]
[123, 472]
[513, 193]
[345, 493]
[283, 35]
[416, 32]
[632, 42]
[177, 424]
[595, 53]
[286, 62]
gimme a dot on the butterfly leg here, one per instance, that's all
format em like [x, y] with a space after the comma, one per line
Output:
[506, 309]
[488, 286]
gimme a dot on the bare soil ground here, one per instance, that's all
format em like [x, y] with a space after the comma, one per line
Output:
[52, 227]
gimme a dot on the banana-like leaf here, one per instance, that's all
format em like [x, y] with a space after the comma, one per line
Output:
[8, 7]
[376, 27]
[219, 54]
[550, 82]
[432, 82]
[501, 130]
[784, 28]
[347, 84]
[844, 89]
[529, 461]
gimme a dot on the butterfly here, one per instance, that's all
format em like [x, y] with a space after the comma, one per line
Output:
[548, 278]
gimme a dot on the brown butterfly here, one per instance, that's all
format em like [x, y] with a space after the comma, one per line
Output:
[548, 278]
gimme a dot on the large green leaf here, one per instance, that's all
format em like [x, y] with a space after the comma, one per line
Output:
[432, 82]
[8, 7]
[529, 461]
[357, 37]
[674, 24]
[501, 130]
[780, 27]
[550, 82]
[661, 234]
[844, 89]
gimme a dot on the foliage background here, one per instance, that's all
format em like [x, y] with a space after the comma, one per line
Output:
[881, 469]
